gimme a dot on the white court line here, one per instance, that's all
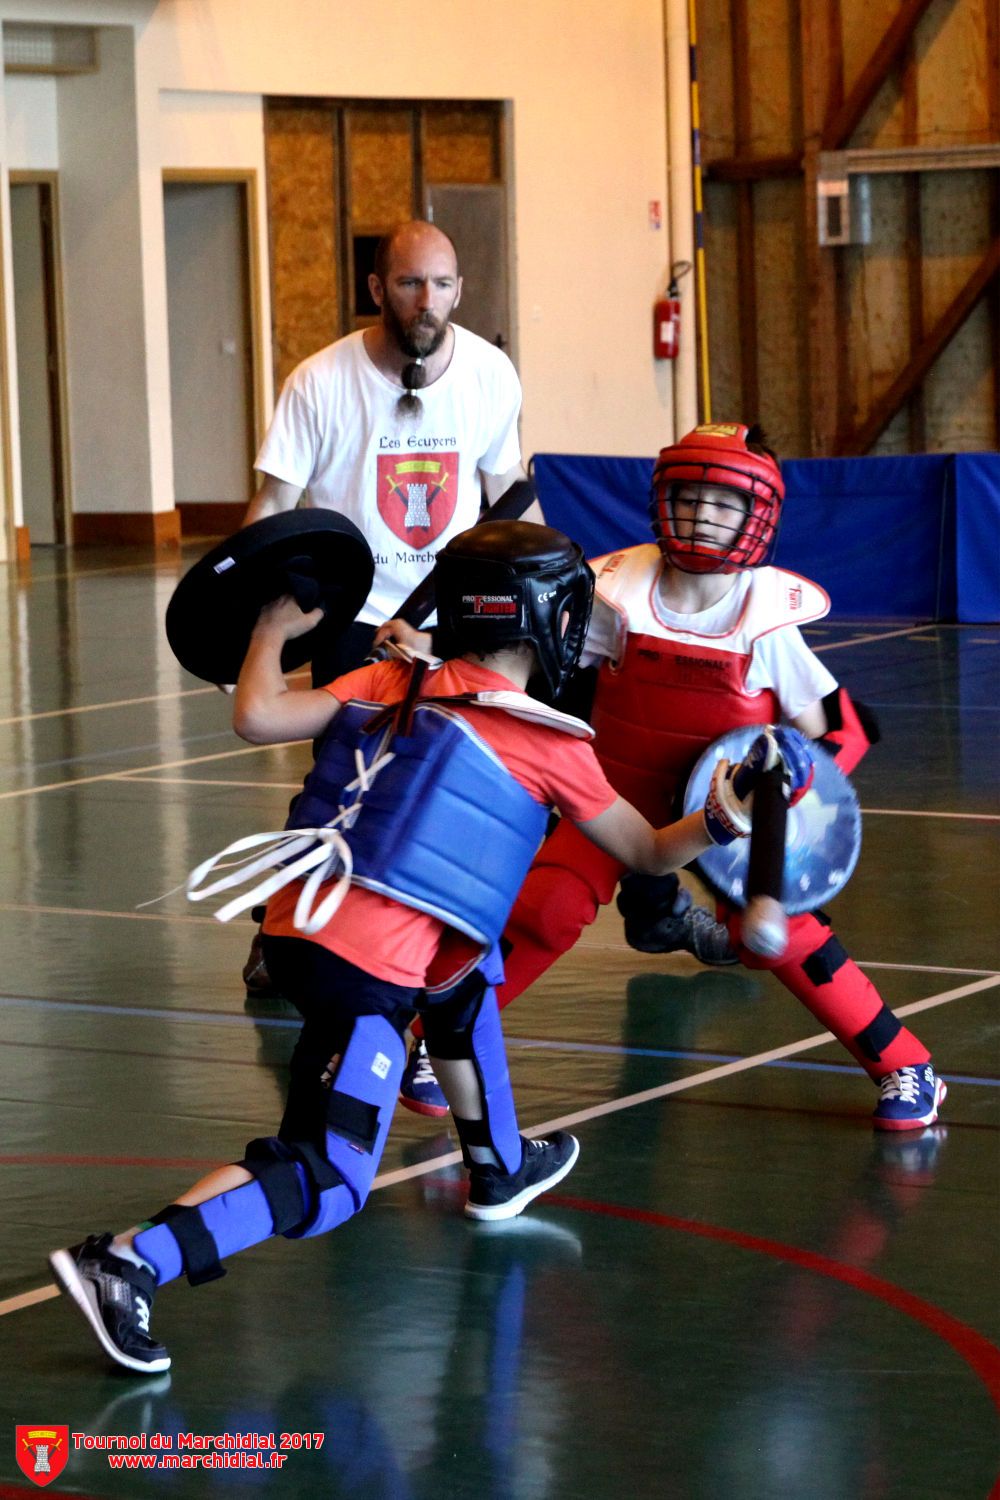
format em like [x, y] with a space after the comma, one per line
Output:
[886, 812]
[287, 786]
[32, 908]
[85, 911]
[93, 708]
[89, 708]
[908, 812]
[862, 640]
[169, 765]
[596, 1111]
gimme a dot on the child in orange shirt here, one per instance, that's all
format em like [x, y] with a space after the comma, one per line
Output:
[430, 792]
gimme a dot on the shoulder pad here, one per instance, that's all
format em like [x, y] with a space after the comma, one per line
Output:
[779, 598]
[521, 706]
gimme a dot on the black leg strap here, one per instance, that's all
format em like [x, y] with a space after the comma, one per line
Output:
[820, 967]
[882, 1029]
[279, 1182]
[198, 1249]
[353, 1119]
[322, 1172]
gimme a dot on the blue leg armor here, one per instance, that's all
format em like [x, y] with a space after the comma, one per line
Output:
[298, 1189]
[467, 1025]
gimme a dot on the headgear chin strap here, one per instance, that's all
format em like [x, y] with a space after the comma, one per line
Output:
[507, 581]
[717, 454]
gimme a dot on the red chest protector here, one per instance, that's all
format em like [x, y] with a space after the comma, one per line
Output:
[675, 692]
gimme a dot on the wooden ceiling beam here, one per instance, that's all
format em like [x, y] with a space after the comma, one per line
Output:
[944, 330]
[753, 168]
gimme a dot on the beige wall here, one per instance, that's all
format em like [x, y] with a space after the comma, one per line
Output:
[586, 92]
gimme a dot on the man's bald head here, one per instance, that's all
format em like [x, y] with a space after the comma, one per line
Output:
[415, 237]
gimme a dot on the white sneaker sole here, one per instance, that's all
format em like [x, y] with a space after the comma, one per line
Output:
[73, 1284]
[514, 1206]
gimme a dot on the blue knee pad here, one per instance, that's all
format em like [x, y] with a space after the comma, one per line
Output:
[359, 1113]
[297, 1191]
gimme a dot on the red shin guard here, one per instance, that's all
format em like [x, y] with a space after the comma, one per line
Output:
[818, 971]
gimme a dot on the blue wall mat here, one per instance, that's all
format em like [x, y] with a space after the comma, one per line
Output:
[906, 538]
[977, 527]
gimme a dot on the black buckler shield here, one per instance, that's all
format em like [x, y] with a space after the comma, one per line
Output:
[318, 556]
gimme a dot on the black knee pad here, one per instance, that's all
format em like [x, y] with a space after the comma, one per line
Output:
[448, 1022]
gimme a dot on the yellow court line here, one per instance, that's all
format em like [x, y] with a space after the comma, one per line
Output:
[611, 1107]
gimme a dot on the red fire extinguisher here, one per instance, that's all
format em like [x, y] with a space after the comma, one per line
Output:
[667, 316]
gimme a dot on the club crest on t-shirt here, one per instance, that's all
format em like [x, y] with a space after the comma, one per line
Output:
[417, 496]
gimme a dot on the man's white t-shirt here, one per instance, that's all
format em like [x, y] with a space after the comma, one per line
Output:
[409, 483]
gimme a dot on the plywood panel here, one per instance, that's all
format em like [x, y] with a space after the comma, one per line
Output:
[863, 24]
[775, 127]
[381, 167]
[875, 301]
[462, 145]
[723, 308]
[715, 77]
[953, 86]
[782, 353]
[300, 152]
[960, 390]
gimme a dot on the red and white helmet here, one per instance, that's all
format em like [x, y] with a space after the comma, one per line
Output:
[717, 453]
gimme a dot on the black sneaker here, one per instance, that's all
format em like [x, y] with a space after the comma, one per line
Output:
[115, 1297]
[503, 1195]
[708, 939]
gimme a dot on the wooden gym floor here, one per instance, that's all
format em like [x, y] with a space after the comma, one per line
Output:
[741, 1291]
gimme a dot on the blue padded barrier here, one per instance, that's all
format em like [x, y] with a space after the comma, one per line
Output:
[914, 537]
[977, 530]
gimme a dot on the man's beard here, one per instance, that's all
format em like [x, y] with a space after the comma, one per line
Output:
[420, 337]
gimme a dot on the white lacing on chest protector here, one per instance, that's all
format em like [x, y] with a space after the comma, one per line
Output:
[318, 853]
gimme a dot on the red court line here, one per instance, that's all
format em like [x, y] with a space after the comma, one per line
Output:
[18, 1491]
[41, 1159]
[978, 1352]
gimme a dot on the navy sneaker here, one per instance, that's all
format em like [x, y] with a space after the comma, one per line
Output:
[909, 1098]
[116, 1298]
[494, 1194]
[419, 1089]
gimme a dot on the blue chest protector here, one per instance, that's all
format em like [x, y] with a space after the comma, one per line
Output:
[444, 827]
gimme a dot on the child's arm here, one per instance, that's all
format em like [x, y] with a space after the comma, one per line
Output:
[265, 712]
[624, 833]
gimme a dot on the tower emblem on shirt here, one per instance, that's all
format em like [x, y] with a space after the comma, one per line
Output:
[41, 1451]
[417, 496]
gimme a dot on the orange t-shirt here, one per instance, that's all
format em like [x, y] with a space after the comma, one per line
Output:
[396, 942]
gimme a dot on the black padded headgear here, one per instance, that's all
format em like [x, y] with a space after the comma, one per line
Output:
[507, 581]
